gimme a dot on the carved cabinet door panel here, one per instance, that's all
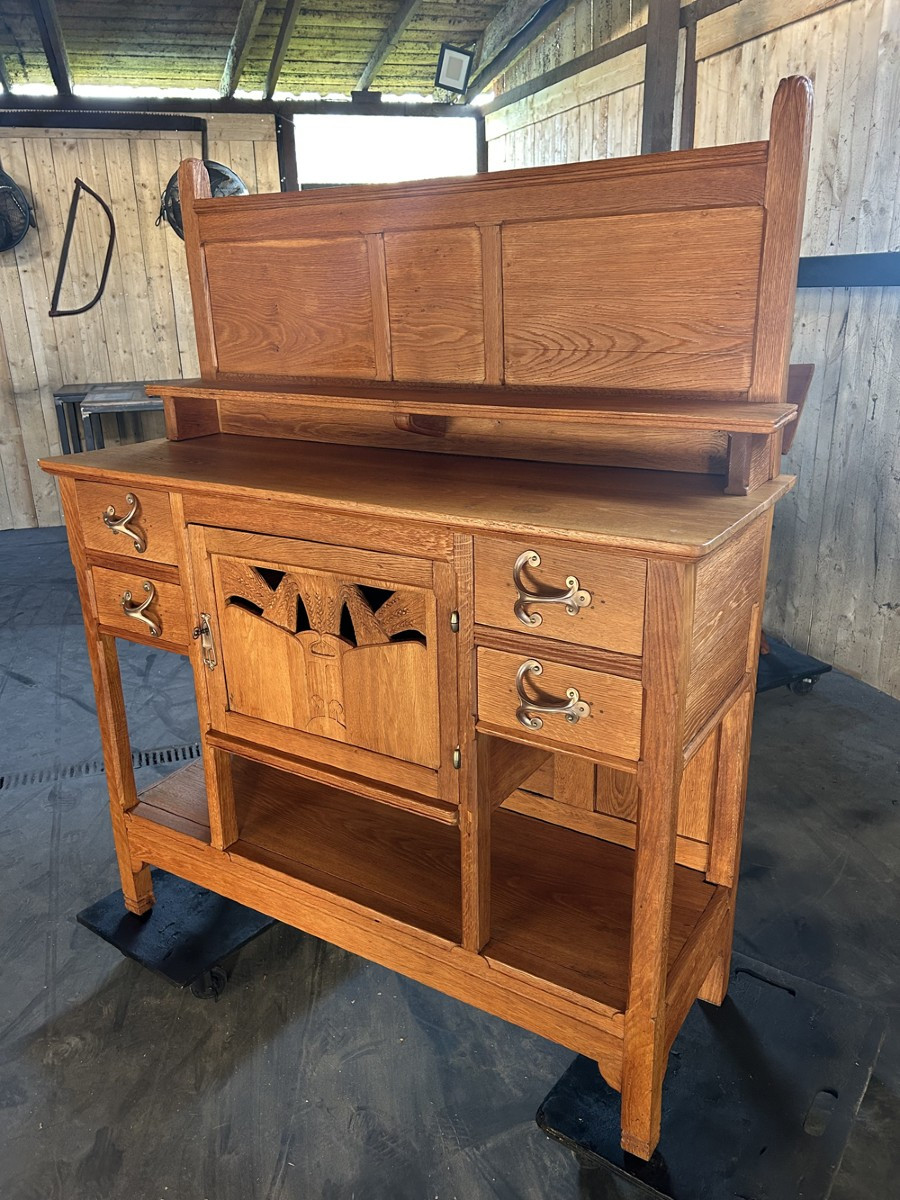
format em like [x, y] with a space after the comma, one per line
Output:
[320, 649]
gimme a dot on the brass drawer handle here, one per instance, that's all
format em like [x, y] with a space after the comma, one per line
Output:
[573, 597]
[573, 709]
[120, 524]
[137, 611]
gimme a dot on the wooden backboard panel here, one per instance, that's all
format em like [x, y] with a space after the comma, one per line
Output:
[434, 284]
[654, 300]
[292, 308]
[665, 271]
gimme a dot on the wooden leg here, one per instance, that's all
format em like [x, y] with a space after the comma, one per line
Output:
[137, 889]
[104, 659]
[715, 985]
[728, 823]
[659, 779]
[475, 830]
[223, 826]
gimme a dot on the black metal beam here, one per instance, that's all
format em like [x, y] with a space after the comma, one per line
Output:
[286, 143]
[481, 146]
[54, 47]
[545, 16]
[660, 76]
[282, 42]
[101, 120]
[78, 104]
[850, 270]
[396, 26]
[247, 24]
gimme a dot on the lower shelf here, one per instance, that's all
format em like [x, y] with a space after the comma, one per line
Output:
[560, 900]
[395, 862]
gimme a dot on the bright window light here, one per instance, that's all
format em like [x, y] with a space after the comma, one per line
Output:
[364, 149]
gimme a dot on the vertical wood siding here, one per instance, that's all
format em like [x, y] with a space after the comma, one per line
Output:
[834, 580]
[143, 326]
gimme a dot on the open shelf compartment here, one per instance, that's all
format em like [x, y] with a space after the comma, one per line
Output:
[561, 906]
[560, 900]
[395, 862]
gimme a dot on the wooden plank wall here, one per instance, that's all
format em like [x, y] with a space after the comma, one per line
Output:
[143, 327]
[834, 580]
[596, 114]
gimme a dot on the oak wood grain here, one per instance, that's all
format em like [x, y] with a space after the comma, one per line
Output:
[152, 522]
[613, 620]
[167, 609]
[646, 511]
[300, 307]
[701, 408]
[636, 300]
[437, 317]
[613, 726]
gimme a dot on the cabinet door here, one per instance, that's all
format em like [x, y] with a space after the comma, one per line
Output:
[321, 648]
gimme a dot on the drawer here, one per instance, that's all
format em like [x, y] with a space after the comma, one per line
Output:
[164, 607]
[607, 613]
[610, 726]
[151, 522]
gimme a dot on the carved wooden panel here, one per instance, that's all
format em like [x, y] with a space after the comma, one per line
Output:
[321, 653]
[293, 308]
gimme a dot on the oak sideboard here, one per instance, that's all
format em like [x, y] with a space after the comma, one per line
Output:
[464, 528]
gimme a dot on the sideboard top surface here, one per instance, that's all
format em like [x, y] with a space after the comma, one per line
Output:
[650, 511]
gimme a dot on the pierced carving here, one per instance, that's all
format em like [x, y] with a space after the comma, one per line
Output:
[359, 614]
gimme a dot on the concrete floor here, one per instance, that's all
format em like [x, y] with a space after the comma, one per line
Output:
[319, 1076]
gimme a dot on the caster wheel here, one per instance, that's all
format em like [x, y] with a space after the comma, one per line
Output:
[210, 985]
[802, 687]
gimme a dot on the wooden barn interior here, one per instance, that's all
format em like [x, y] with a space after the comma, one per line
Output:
[355, 1053]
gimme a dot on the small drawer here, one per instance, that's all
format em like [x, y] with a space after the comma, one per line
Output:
[147, 534]
[522, 586]
[150, 602]
[568, 706]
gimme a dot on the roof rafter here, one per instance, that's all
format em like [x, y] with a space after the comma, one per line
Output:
[47, 19]
[247, 24]
[396, 26]
[285, 33]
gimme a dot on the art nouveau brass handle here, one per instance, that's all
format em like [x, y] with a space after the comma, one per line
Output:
[573, 709]
[138, 611]
[574, 597]
[120, 524]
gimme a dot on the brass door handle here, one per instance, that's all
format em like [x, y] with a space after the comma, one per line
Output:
[138, 611]
[573, 708]
[120, 524]
[203, 632]
[573, 596]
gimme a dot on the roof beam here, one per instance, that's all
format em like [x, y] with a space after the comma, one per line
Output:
[285, 33]
[54, 47]
[510, 33]
[396, 26]
[247, 24]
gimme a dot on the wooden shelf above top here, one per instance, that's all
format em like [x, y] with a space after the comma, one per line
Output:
[728, 413]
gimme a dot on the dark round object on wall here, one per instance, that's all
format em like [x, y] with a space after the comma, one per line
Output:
[16, 217]
[222, 182]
